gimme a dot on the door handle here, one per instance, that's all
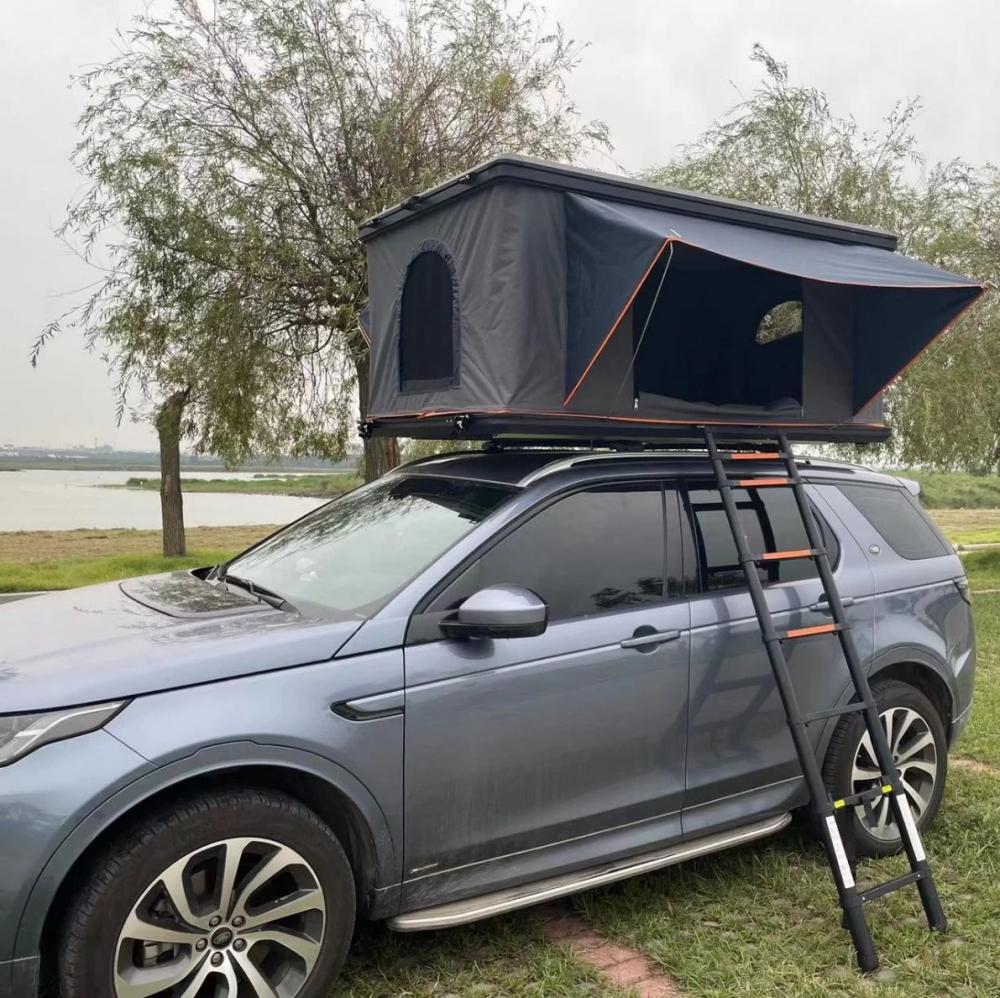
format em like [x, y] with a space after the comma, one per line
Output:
[823, 606]
[648, 638]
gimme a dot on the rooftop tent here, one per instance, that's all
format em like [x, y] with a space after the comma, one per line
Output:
[528, 299]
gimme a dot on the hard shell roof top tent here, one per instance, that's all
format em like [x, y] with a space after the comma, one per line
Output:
[526, 299]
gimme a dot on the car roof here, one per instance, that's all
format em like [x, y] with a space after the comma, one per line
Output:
[522, 467]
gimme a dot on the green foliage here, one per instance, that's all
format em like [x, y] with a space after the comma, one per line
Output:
[232, 149]
[786, 147]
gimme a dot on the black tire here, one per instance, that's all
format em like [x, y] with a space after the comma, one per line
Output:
[90, 933]
[840, 759]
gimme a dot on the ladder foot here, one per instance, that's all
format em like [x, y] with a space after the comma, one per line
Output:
[861, 936]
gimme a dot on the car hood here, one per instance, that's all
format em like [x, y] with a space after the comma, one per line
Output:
[113, 641]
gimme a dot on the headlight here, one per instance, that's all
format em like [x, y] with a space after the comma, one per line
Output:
[23, 733]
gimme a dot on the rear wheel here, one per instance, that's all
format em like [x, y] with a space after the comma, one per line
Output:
[916, 736]
[240, 894]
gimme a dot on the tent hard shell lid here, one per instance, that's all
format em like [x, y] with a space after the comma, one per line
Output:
[526, 299]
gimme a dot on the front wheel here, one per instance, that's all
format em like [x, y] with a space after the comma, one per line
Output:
[916, 736]
[237, 894]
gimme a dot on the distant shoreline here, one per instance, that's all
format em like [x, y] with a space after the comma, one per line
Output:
[323, 486]
[26, 464]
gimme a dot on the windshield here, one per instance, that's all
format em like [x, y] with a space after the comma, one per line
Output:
[355, 553]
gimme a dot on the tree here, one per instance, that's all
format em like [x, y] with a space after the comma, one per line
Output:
[785, 147]
[178, 335]
[239, 145]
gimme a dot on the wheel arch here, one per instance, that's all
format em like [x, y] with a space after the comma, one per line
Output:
[333, 793]
[918, 668]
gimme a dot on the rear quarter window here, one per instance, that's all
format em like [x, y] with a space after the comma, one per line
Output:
[897, 516]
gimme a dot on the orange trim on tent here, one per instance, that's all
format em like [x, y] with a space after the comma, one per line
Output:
[621, 315]
[605, 418]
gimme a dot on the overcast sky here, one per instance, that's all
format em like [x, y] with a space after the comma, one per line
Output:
[658, 71]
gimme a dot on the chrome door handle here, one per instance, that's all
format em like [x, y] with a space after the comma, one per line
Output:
[649, 639]
[823, 606]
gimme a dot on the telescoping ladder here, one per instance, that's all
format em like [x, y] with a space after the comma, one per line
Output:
[834, 818]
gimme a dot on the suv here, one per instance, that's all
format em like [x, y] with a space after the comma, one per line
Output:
[485, 680]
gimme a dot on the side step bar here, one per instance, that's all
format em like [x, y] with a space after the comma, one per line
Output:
[487, 905]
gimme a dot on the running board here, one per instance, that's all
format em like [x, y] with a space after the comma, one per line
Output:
[445, 916]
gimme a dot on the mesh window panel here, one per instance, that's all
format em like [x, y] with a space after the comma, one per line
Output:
[428, 325]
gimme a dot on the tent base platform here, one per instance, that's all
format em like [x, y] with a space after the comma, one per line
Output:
[527, 429]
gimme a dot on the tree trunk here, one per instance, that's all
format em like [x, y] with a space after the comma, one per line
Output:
[381, 453]
[168, 428]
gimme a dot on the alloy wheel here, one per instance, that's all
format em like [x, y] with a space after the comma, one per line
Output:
[915, 754]
[240, 918]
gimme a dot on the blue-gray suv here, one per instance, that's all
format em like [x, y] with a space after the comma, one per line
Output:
[485, 680]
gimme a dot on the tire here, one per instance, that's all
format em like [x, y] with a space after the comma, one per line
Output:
[923, 771]
[126, 928]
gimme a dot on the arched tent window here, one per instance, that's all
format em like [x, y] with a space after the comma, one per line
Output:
[429, 321]
[781, 321]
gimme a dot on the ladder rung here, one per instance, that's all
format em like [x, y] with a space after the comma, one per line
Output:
[881, 789]
[775, 455]
[807, 632]
[759, 483]
[823, 715]
[789, 555]
[892, 885]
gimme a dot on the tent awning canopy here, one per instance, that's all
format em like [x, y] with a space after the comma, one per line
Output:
[527, 291]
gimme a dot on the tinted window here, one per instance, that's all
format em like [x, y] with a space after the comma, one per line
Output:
[897, 517]
[592, 552]
[771, 522]
[428, 324]
[354, 553]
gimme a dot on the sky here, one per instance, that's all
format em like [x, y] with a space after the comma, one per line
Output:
[657, 71]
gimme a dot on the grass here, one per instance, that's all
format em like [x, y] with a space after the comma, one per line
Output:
[968, 526]
[954, 490]
[325, 485]
[504, 958]
[62, 559]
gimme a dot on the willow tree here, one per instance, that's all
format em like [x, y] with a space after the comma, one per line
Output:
[282, 124]
[786, 147]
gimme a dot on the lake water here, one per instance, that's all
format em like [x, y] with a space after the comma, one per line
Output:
[66, 500]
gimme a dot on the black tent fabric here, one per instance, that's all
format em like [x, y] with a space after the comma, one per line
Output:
[527, 298]
[882, 308]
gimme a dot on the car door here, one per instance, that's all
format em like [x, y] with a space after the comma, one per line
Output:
[741, 758]
[529, 756]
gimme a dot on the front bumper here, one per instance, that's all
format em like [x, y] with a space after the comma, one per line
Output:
[43, 798]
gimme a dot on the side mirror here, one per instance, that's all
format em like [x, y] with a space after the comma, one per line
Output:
[498, 612]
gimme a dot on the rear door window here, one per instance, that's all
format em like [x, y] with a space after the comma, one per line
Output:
[897, 516]
[771, 522]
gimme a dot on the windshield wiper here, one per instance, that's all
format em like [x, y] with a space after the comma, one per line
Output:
[260, 592]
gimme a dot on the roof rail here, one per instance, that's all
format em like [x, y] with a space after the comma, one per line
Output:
[576, 460]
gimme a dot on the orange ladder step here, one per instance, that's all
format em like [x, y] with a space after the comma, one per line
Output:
[806, 632]
[760, 483]
[788, 555]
